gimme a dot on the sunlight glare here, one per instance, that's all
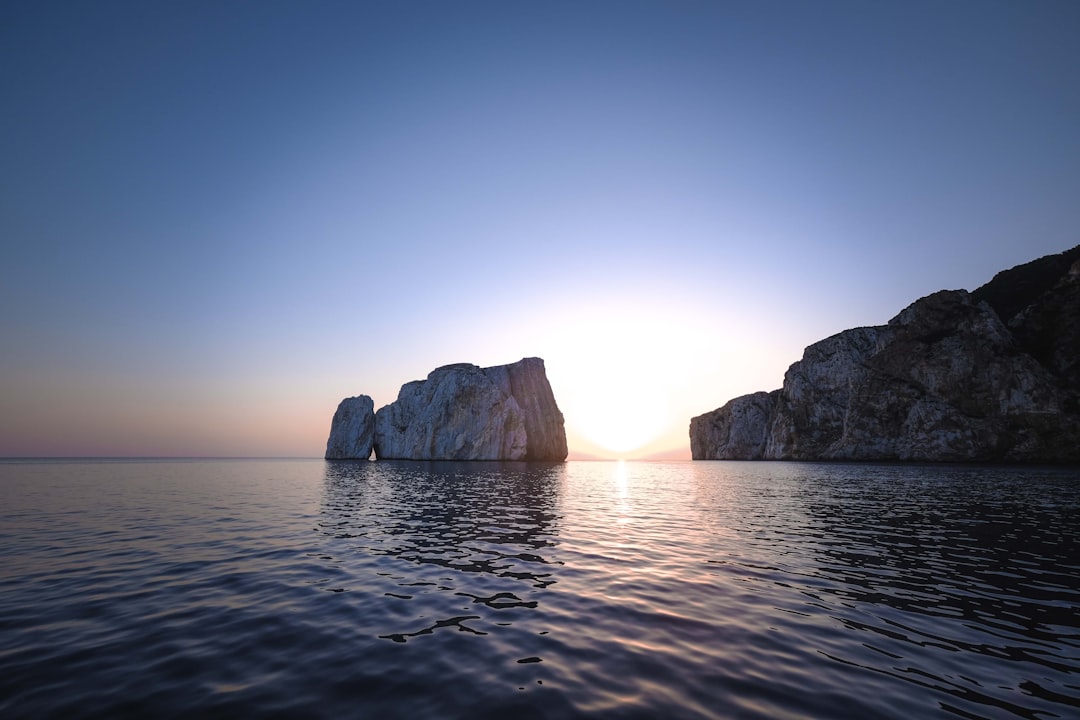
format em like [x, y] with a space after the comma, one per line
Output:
[612, 418]
[620, 478]
[618, 395]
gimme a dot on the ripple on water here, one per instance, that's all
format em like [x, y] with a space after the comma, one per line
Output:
[684, 590]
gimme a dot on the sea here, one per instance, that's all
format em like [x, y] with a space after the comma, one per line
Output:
[314, 589]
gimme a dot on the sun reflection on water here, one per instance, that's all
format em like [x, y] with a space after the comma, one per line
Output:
[622, 509]
[620, 477]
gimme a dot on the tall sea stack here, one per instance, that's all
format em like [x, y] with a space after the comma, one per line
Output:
[352, 431]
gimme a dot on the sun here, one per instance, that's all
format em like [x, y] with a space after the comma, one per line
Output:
[614, 386]
[612, 415]
[620, 366]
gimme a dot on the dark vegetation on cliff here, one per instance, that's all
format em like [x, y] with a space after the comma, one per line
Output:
[1040, 302]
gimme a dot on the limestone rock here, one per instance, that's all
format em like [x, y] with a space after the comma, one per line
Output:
[737, 431]
[463, 412]
[352, 431]
[945, 380]
[526, 381]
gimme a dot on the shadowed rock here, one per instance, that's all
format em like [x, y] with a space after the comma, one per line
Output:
[526, 382]
[352, 431]
[1049, 328]
[945, 380]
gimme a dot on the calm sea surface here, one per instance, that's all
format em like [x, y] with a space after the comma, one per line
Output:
[301, 588]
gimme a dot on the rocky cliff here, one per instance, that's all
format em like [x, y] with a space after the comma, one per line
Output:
[352, 431]
[985, 376]
[526, 382]
[464, 412]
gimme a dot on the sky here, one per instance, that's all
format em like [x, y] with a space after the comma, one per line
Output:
[218, 219]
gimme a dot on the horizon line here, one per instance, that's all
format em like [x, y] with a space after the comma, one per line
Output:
[580, 458]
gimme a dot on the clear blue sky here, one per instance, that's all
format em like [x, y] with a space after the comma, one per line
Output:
[220, 218]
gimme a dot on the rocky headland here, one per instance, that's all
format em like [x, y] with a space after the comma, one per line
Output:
[987, 376]
[460, 412]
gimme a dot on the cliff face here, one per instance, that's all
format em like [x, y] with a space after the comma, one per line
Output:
[986, 376]
[1049, 328]
[526, 382]
[737, 431]
[464, 412]
[458, 413]
[352, 431]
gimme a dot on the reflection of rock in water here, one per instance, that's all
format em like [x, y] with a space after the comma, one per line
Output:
[452, 539]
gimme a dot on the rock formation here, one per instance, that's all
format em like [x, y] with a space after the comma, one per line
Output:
[737, 431]
[985, 376]
[464, 412]
[526, 382]
[352, 431]
[1040, 302]
[458, 413]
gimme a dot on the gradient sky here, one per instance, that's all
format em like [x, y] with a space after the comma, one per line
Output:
[220, 218]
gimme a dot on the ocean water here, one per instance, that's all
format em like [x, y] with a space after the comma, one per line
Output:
[302, 588]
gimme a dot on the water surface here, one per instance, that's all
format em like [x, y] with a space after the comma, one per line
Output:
[584, 589]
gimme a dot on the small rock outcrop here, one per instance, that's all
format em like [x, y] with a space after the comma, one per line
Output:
[985, 376]
[465, 412]
[352, 431]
